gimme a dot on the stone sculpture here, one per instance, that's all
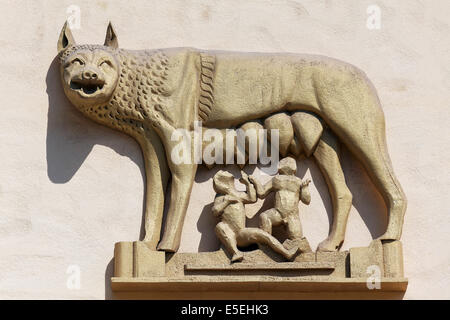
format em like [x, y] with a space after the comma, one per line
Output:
[316, 103]
[289, 190]
[229, 206]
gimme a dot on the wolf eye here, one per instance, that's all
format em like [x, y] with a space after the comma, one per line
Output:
[105, 63]
[77, 61]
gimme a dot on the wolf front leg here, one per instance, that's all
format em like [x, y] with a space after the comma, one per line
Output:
[183, 169]
[182, 180]
[157, 175]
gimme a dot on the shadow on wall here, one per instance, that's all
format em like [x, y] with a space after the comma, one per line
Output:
[109, 273]
[71, 136]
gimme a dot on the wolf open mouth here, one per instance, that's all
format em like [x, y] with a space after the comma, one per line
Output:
[87, 86]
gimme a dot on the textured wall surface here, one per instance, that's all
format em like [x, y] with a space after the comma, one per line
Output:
[70, 189]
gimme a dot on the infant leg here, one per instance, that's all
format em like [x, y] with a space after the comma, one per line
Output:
[294, 226]
[270, 218]
[249, 236]
[228, 238]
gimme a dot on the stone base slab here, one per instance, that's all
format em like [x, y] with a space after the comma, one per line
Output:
[138, 267]
[260, 284]
[266, 267]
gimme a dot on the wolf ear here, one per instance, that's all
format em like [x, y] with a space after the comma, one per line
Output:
[111, 38]
[65, 38]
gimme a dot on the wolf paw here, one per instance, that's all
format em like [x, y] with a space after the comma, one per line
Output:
[330, 245]
[389, 236]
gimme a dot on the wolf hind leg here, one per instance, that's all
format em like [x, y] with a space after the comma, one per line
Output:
[327, 156]
[381, 172]
[382, 175]
[363, 133]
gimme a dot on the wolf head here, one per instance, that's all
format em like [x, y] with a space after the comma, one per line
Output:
[89, 73]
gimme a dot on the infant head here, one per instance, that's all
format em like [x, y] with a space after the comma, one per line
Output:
[287, 166]
[223, 182]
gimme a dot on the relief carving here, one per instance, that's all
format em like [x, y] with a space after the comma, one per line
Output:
[316, 104]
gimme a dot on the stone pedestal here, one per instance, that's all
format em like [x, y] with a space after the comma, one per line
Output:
[364, 259]
[137, 260]
[137, 268]
[393, 259]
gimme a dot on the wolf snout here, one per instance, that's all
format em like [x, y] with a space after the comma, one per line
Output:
[89, 75]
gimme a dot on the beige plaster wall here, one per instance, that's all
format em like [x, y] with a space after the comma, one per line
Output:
[69, 188]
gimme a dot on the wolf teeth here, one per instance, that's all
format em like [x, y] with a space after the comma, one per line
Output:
[91, 89]
[86, 88]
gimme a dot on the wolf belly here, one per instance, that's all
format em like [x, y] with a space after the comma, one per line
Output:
[262, 84]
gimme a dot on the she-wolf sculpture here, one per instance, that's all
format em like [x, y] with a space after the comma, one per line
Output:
[316, 102]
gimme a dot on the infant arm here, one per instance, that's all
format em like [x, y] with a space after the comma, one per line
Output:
[250, 195]
[220, 203]
[262, 191]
